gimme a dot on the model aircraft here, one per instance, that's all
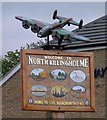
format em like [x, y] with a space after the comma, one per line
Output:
[56, 29]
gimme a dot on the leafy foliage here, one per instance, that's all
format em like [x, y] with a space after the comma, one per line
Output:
[9, 61]
[12, 58]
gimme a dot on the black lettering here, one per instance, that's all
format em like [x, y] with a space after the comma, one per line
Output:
[100, 72]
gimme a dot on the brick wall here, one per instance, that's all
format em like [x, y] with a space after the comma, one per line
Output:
[11, 96]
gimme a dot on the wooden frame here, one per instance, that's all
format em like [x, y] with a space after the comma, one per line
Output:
[45, 99]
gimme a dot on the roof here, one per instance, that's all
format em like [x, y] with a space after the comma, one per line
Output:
[95, 31]
[10, 74]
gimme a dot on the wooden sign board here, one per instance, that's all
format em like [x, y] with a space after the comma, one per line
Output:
[57, 80]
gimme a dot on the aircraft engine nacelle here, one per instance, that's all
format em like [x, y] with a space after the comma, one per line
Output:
[67, 39]
[34, 29]
[26, 24]
[55, 35]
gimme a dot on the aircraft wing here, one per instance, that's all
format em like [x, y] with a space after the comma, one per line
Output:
[79, 37]
[67, 35]
[35, 24]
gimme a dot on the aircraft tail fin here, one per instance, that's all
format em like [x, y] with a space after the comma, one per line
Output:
[80, 24]
[55, 16]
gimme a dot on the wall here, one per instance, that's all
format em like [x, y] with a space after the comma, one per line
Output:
[11, 98]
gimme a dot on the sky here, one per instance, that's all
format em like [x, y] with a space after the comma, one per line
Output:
[14, 36]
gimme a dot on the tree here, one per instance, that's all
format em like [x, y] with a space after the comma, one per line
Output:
[9, 61]
[12, 58]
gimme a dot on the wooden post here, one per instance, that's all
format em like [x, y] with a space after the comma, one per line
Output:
[57, 115]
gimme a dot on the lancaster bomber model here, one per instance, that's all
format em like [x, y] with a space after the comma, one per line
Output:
[56, 29]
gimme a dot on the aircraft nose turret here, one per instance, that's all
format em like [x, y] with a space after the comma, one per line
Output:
[39, 35]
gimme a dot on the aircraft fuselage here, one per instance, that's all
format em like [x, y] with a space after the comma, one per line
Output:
[46, 30]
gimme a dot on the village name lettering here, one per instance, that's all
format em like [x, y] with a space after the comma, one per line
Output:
[58, 61]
